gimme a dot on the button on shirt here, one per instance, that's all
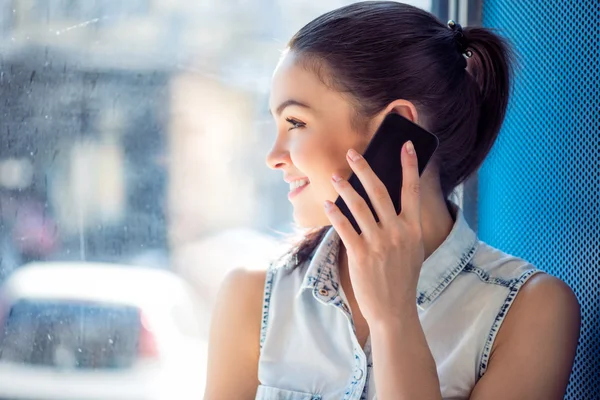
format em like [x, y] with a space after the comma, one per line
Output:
[309, 348]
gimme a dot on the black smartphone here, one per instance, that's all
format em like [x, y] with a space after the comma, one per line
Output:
[383, 155]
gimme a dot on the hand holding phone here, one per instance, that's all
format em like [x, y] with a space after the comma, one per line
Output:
[383, 156]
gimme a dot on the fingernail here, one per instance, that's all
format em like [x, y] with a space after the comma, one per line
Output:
[328, 205]
[336, 178]
[410, 148]
[354, 156]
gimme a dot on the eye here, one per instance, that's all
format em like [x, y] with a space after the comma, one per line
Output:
[295, 123]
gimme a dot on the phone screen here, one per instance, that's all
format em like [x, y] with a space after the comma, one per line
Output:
[383, 155]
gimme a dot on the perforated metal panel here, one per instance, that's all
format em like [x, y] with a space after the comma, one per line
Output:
[539, 190]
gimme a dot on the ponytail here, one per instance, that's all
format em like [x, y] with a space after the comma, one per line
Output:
[491, 69]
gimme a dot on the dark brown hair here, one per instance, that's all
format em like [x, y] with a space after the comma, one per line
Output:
[380, 51]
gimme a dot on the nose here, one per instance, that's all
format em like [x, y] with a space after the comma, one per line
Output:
[278, 157]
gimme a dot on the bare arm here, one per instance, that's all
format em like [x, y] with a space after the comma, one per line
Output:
[535, 347]
[234, 337]
[404, 367]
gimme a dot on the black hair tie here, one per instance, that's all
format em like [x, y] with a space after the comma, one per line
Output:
[460, 39]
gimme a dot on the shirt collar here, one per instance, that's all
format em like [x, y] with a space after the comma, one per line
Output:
[437, 272]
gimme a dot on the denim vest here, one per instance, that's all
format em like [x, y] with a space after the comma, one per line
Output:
[309, 349]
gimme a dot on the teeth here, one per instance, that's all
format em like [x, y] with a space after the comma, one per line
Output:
[298, 183]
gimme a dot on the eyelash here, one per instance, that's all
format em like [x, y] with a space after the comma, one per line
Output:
[295, 123]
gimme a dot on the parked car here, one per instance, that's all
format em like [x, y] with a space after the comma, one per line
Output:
[99, 331]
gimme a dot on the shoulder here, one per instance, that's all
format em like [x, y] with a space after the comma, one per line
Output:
[235, 335]
[536, 345]
[244, 281]
[536, 300]
[240, 295]
[239, 300]
[547, 302]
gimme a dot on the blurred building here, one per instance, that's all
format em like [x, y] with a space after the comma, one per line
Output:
[141, 126]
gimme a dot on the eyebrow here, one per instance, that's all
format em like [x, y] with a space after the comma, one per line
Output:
[287, 103]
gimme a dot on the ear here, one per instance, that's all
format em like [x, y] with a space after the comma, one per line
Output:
[405, 108]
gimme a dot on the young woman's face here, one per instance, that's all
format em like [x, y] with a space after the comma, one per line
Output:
[313, 135]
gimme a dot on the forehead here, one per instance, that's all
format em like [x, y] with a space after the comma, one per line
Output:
[292, 81]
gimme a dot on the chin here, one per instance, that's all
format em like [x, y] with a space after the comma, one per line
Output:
[310, 217]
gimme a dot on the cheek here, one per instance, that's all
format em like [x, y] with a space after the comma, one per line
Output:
[319, 159]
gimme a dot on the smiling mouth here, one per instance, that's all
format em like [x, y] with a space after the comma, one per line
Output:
[297, 186]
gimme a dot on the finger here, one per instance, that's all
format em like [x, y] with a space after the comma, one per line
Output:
[342, 226]
[411, 187]
[356, 204]
[378, 194]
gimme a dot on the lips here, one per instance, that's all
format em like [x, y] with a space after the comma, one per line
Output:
[295, 184]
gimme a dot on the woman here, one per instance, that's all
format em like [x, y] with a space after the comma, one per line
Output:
[340, 320]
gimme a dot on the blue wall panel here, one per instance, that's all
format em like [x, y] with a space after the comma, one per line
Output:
[539, 190]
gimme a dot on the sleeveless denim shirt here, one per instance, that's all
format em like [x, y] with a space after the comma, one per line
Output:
[309, 349]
